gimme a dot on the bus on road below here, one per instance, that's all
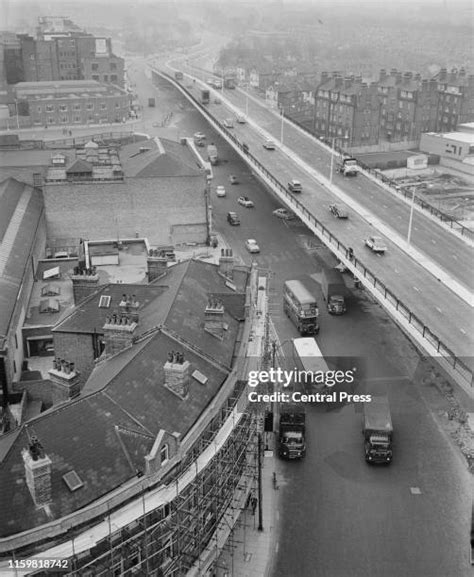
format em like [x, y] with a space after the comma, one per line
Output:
[301, 307]
[309, 358]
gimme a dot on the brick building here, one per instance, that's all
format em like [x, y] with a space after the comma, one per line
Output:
[398, 107]
[72, 102]
[347, 110]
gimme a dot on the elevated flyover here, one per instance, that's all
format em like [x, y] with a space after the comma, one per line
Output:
[436, 317]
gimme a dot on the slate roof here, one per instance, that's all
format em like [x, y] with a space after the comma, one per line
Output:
[165, 158]
[15, 248]
[105, 434]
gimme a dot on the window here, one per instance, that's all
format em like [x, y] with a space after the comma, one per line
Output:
[117, 105]
[90, 106]
[51, 120]
[164, 453]
[77, 106]
[39, 109]
[49, 108]
[63, 108]
[95, 77]
[106, 77]
[77, 119]
[95, 66]
[113, 66]
[104, 301]
[103, 106]
[113, 78]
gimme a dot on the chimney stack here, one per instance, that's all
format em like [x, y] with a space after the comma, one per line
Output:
[443, 75]
[177, 374]
[157, 263]
[226, 262]
[65, 379]
[129, 305]
[214, 318]
[37, 472]
[382, 75]
[118, 332]
[84, 282]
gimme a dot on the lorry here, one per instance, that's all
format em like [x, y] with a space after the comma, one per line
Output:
[292, 428]
[348, 166]
[212, 153]
[378, 431]
[334, 291]
[151, 102]
[301, 307]
[205, 96]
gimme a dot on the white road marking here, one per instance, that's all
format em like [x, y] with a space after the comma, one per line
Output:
[417, 289]
[439, 310]
[415, 490]
[433, 241]
[463, 331]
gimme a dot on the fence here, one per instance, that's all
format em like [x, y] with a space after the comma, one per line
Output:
[455, 362]
[442, 216]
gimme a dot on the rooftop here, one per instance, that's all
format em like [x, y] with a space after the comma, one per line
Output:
[21, 209]
[66, 89]
[105, 434]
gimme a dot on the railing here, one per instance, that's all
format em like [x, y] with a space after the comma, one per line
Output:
[442, 216]
[455, 362]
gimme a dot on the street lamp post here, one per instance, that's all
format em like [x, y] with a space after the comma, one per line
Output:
[410, 222]
[332, 159]
[282, 114]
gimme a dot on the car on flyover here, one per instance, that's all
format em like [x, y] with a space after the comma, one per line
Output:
[376, 244]
[338, 211]
[283, 213]
[252, 246]
[245, 201]
[220, 190]
[269, 144]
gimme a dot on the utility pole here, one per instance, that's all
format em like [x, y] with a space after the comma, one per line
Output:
[260, 510]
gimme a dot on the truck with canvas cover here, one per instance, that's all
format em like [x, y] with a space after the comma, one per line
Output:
[292, 429]
[378, 431]
[205, 96]
[212, 154]
[334, 291]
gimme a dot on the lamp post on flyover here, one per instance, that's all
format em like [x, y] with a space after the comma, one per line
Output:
[410, 222]
[282, 114]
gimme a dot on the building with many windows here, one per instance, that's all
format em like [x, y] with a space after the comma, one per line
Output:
[72, 102]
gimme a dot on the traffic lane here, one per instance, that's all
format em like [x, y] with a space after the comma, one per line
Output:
[431, 238]
[445, 313]
[364, 521]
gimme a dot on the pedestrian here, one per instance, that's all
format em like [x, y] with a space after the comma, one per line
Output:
[254, 502]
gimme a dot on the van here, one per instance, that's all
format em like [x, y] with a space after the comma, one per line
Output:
[295, 186]
[241, 119]
[233, 219]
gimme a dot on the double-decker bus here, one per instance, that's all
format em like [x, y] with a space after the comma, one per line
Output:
[301, 307]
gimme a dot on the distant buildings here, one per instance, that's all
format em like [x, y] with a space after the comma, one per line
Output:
[60, 51]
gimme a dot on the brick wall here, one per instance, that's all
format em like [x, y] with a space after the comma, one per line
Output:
[164, 210]
[76, 348]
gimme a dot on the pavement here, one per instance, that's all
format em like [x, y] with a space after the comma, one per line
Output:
[248, 551]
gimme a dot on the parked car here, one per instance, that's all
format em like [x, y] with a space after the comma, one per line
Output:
[338, 211]
[269, 144]
[233, 218]
[228, 123]
[241, 119]
[295, 185]
[245, 201]
[376, 244]
[220, 190]
[284, 214]
[252, 246]
[245, 147]
[199, 136]
[233, 179]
